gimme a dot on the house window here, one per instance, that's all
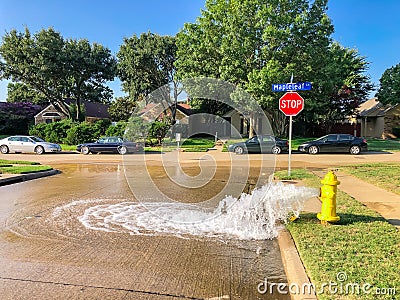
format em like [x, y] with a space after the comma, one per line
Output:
[48, 121]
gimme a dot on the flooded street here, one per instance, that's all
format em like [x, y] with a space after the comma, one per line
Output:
[46, 252]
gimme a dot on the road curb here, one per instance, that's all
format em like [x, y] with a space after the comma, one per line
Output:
[294, 269]
[26, 177]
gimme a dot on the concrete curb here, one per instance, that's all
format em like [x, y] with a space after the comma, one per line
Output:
[294, 269]
[24, 177]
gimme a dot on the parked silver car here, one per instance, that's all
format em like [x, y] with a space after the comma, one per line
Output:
[27, 144]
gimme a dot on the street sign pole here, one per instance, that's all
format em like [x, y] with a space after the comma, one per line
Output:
[290, 145]
[290, 139]
[291, 104]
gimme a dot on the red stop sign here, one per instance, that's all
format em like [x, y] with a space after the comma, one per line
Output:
[291, 104]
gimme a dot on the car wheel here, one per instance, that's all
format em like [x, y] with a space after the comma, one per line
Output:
[4, 149]
[276, 150]
[313, 150]
[85, 150]
[39, 150]
[239, 150]
[122, 150]
[355, 150]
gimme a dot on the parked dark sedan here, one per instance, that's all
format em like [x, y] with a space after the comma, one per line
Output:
[335, 143]
[111, 144]
[260, 144]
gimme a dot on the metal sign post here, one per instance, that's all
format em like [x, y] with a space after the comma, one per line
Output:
[290, 145]
[291, 104]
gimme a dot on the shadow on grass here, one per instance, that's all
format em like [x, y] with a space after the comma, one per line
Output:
[346, 219]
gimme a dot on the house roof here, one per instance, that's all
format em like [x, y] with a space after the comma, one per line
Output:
[98, 110]
[374, 108]
[92, 109]
[182, 107]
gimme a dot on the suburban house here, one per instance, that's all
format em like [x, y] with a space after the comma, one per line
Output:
[378, 120]
[93, 111]
[239, 124]
[156, 111]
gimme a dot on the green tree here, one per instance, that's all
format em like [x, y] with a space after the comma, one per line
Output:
[56, 68]
[159, 130]
[256, 43]
[389, 89]
[19, 92]
[121, 108]
[147, 63]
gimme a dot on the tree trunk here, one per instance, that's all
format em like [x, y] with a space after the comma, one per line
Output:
[251, 126]
[78, 109]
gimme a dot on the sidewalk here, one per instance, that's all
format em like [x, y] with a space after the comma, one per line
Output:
[386, 203]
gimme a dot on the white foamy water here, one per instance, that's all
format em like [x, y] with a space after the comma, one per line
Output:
[258, 215]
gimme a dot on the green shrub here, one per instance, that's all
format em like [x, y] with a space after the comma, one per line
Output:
[55, 132]
[159, 130]
[100, 127]
[116, 130]
[81, 133]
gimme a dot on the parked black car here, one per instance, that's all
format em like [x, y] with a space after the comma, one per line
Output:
[113, 144]
[335, 143]
[260, 144]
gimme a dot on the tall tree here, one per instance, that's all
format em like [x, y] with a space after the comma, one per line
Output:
[389, 89]
[256, 43]
[146, 63]
[57, 68]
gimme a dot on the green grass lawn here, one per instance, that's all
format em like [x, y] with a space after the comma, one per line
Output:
[384, 175]
[21, 167]
[383, 145]
[18, 162]
[189, 145]
[65, 147]
[363, 245]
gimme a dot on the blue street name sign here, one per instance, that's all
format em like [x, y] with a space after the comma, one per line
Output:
[299, 86]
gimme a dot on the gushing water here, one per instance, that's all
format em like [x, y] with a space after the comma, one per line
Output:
[253, 216]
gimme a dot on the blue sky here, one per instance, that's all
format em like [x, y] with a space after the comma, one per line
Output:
[370, 26]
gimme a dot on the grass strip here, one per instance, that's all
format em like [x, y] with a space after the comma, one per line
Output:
[65, 147]
[24, 169]
[363, 246]
[383, 145]
[384, 175]
[18, 162]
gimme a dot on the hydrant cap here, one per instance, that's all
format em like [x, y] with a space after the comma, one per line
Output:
[330, 179]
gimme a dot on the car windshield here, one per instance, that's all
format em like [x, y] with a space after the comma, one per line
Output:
[322, 138]
[36, 139]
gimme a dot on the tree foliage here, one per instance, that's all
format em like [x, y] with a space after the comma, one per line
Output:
[121, 108]
[389, 89]
[57, 68]
[19, 92]
[146, 63]
[256, 43]
[159, 130]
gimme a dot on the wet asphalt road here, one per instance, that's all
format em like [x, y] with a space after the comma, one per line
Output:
[48, 256]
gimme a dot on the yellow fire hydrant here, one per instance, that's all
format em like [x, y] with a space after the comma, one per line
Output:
[328, 198]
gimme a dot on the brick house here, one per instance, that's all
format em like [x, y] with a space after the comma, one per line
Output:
[93, 111]
[378, 120]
